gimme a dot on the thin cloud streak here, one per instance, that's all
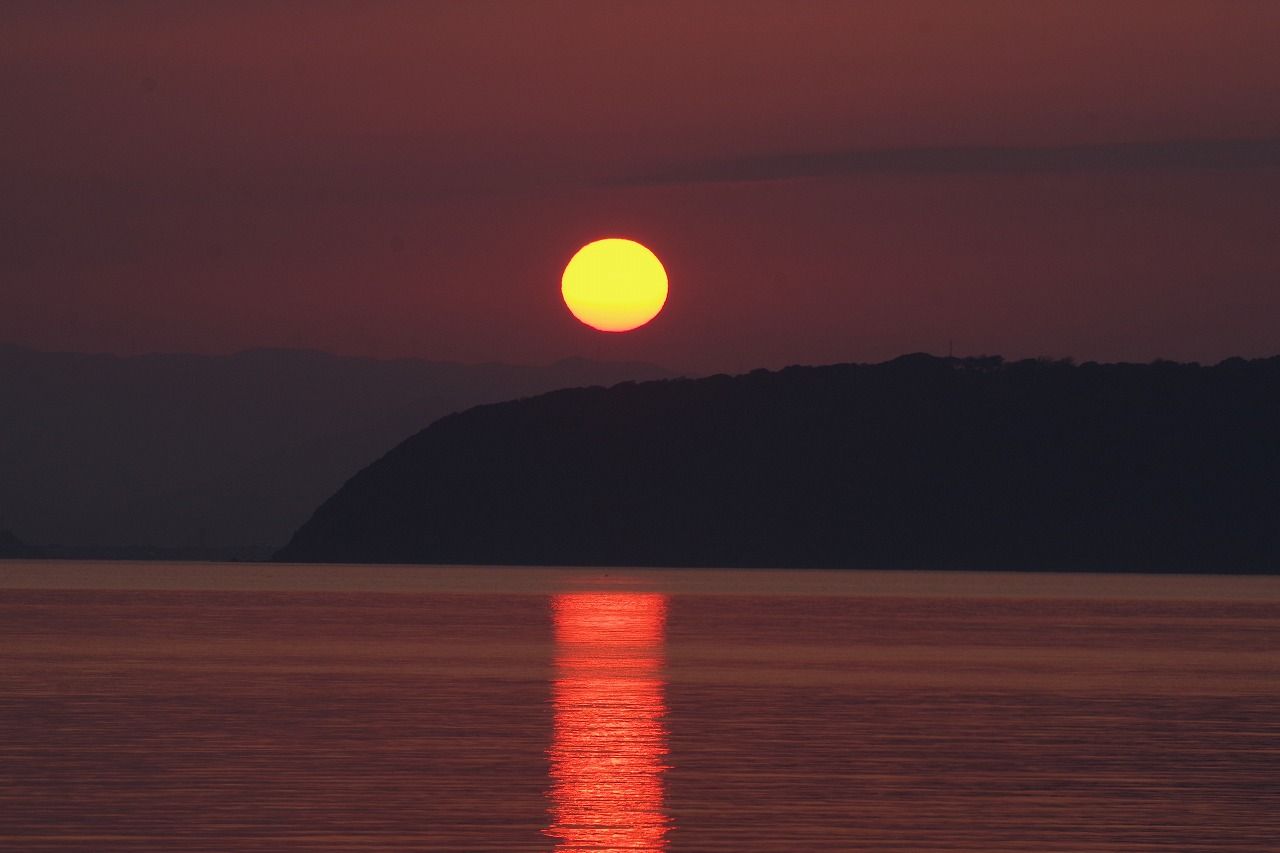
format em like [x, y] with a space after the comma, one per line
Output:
[1179, 155]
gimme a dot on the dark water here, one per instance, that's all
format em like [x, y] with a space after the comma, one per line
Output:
[240, 708]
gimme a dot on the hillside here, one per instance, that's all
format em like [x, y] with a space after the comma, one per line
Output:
[218, 456]
[916, 463]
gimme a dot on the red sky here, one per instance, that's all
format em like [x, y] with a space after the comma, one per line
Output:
[825, 181]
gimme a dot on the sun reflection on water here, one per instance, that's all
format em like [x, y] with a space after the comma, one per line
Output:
[609, 747]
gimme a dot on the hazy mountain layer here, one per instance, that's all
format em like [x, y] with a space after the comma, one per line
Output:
[191, 455]
[916, 463]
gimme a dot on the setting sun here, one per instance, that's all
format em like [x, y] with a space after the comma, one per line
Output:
[614, 285]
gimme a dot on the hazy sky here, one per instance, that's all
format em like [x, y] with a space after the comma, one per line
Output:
[824, 181]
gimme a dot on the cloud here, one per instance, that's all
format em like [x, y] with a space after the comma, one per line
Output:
[1174, 155]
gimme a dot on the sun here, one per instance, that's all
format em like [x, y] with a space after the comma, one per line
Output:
[614, 285]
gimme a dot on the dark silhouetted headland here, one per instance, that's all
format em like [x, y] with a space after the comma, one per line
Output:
[12, 546]
[920, 462]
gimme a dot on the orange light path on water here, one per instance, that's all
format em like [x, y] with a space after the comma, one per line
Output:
[609, 745]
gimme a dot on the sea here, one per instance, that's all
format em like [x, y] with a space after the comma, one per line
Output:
[263, 707]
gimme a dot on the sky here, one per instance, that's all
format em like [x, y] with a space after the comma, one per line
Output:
[823, 181]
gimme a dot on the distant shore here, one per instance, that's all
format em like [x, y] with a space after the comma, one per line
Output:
[54, 575]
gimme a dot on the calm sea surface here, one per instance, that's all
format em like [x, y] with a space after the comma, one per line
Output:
[205, 707]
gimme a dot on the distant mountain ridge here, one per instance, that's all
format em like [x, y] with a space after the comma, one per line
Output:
[920, 462]
[173, 455]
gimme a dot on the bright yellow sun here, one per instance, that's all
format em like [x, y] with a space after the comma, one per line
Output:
[614, 285]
